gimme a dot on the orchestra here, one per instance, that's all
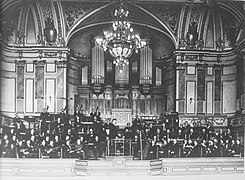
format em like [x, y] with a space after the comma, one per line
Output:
[88, 137]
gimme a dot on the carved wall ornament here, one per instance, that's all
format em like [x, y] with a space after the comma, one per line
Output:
[170, 16]
[20, 38]
[196, 11]
[7, 30]
[46, 9]
[40, 38]
[220, 44]
[73, 12]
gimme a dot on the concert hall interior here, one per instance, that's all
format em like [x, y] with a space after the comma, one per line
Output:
[122, 87]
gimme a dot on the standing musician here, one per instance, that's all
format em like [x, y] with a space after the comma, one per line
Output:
[44, 120]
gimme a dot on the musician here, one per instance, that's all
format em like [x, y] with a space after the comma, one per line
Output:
[153, 148]
[239, 149]
[77, 124]
[210, 130]
[77, 151]
[228, 135]
[12, 152]
[43, 148]
[220, 135]
[128, 133]
[188, 147]
[5, 148]
[136, 123]
[11, 133]
[44, 120]
[67, 148]
[232, 148]
[174, 149]
[34, 141]
[13, 140]
[52, 151]
[180, 135]
[163, 149]
[93, 113]
[57, 141]
[203, 134]
[21, 148]
[16, 118]
[91, 144]
[212, 149]
[21, 131]
[150, 131]
[77, 112]
[111, 130]
[191, 134]
[30, 149]
[204, 148]
[196, 150]
[159, 134]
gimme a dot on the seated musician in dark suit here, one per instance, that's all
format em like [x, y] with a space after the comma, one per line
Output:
[239, 149]
[196, 150]
[210, 130]
[67, 148]
[59, 126]
[90, 145]
[5, 148]
[212, 149]
[191, 134]
[136, 123]
[77, 124]
[12, 152]
[187, 147]
[204, 134]
[21, 149]
[77, 150]
[220, 135]
[163, 149]
[228, 135]
[43, 149]
[231, 148]
[174, 149]
[180, 135]
[128, 133]
[52, 150]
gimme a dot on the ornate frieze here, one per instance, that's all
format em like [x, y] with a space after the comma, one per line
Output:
[74, 11]
[170, 16]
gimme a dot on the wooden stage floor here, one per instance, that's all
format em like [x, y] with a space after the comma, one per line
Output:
[119, 166]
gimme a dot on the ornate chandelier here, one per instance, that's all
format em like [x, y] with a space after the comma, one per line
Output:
[121, 41]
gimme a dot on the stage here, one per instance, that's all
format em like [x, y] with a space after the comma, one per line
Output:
[120, 166]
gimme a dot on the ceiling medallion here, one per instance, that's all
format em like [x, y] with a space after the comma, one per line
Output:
[121, 41]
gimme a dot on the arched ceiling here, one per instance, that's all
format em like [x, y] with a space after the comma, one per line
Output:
[26, 19]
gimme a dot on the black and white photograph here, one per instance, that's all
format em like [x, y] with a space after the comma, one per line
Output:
[115, 88]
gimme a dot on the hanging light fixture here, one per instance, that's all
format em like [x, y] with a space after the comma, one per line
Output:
[121, 41]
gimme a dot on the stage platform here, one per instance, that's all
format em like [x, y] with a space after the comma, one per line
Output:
[119, 166]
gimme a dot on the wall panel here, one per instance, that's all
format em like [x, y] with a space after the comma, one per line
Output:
[29, 96]
[190, 97]
[8, 95]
